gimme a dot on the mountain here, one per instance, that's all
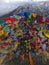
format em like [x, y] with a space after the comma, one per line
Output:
[41, 8]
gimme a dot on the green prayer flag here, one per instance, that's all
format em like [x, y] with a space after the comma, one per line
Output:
[6, 29]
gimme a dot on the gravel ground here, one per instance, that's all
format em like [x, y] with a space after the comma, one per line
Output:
[37, 61]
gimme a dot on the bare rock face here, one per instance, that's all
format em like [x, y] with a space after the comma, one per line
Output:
[41, 8]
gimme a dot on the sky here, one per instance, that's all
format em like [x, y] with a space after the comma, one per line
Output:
[9, 5]
[7, 1]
